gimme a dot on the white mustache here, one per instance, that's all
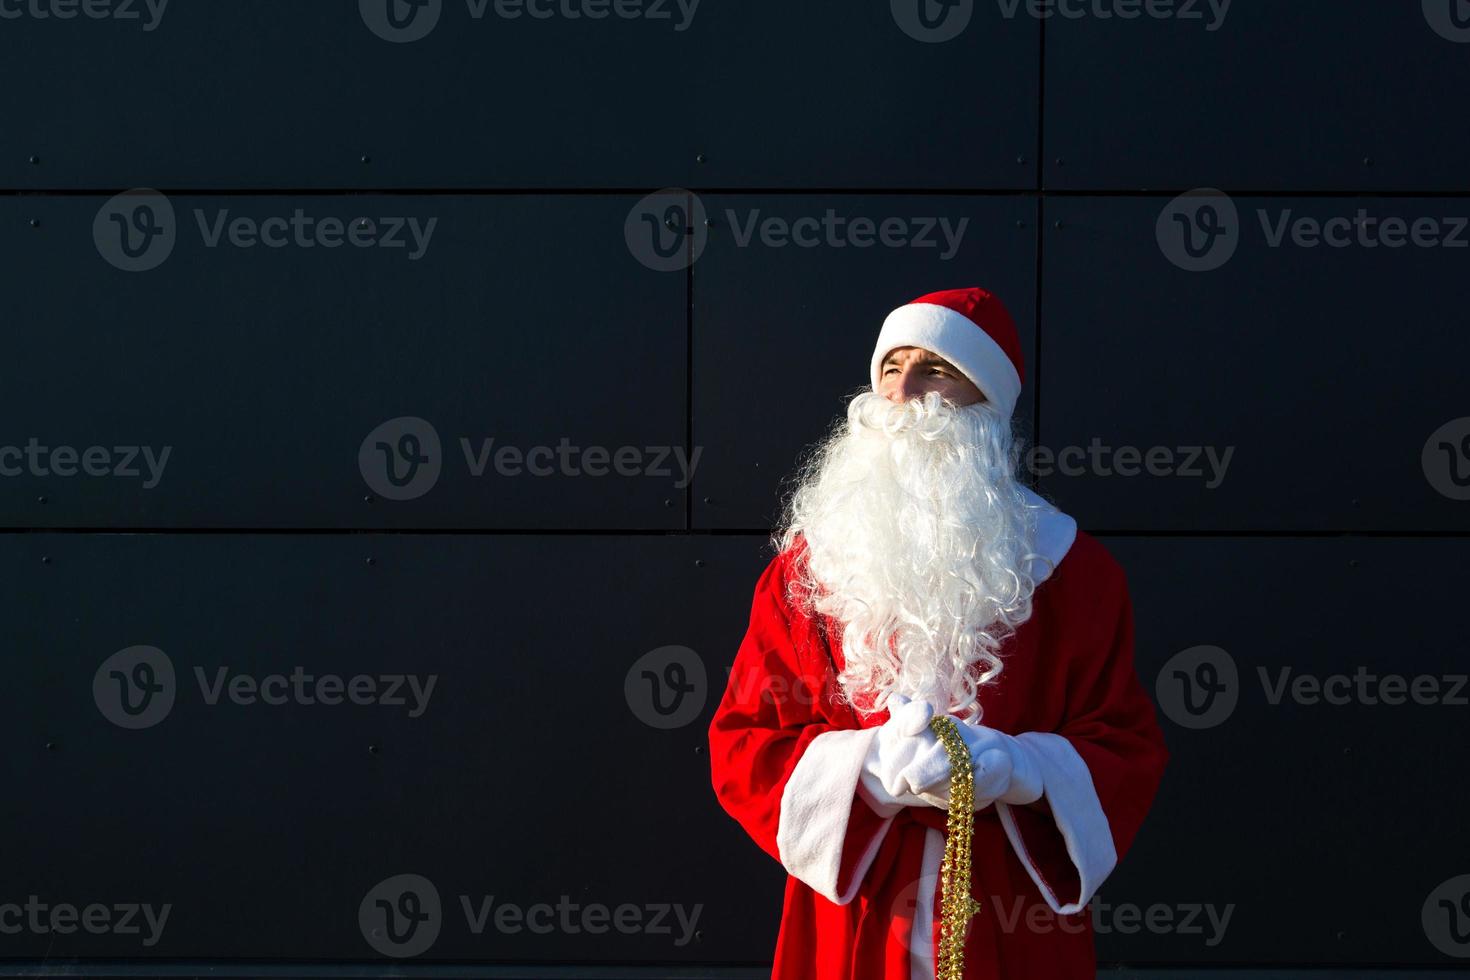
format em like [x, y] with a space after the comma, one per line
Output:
[916, 528]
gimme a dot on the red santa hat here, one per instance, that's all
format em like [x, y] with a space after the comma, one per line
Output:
[971, 329]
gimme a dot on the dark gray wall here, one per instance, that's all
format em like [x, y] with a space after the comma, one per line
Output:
[610, 247]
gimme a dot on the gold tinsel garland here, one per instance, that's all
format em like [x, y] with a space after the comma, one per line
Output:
[956, 905]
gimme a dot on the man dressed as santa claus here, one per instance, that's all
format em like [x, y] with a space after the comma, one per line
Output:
[915, 575]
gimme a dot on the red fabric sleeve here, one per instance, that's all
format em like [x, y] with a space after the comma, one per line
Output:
[1109, 721]
[769, 715]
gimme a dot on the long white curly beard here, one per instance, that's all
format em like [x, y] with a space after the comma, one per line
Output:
[918, 535]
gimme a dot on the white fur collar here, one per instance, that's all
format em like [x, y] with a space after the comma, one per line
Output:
[1055, 532]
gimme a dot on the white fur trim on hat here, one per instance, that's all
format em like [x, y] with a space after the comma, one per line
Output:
[957, 339]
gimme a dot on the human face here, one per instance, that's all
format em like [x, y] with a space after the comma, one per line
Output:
[912, 372]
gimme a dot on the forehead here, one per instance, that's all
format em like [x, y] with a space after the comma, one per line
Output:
[921, 355]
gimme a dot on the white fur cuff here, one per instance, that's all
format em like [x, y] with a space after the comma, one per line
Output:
[815, 806]
[1079, 818]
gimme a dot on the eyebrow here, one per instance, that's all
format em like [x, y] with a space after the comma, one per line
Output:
[927, 361]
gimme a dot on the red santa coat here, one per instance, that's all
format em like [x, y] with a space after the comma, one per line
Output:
[862, 893]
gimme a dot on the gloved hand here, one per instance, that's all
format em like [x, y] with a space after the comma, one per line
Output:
[899, 742]
[1006, 769]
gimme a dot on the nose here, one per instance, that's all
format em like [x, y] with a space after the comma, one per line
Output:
[908, 385]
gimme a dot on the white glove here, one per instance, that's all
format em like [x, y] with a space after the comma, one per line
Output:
[899, 742]
[1006, 769]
